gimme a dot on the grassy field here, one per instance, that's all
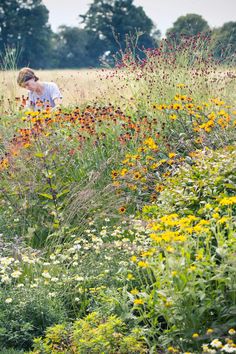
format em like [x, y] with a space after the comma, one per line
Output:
[77, 86]
[118, 213]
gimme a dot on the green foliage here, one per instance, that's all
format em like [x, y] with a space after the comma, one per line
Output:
[188, 25]
[71, 48]
[187, 278]
[24, 26]
[110, 23]
[224, 42]
[93, 334]
[211, 177]
[26, 313]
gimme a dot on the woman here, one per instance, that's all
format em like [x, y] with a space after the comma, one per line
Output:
[41, 94]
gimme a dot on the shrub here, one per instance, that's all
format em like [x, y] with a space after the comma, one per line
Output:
[93, 334]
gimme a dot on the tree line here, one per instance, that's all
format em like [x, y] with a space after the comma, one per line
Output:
[106, 29]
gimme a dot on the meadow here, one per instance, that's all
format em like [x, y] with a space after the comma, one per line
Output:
[117, 211]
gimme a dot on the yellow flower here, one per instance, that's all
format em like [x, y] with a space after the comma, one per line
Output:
[209, 331]
[177, 106]
[228, 200]
[151, 144]
[216, 343]
[138, 301]
[231, 331]
[114, 174]
[195, 335]
[172, 350]
[130, 276]
[212, 116]
[170, 249]
[171, 155]
[216, 215]
[134, 291]
[155, 238]
[142, 264]
[180, 85]
[123, 171]
[223, 220]
[133, 259]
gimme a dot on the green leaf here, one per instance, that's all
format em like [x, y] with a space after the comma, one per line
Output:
[39, 154]
[45, 195]
[62, 193]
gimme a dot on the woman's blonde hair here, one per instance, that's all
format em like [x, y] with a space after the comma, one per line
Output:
[26, 74]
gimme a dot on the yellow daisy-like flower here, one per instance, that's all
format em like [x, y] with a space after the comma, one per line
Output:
[231, 331]
[228, 201]
[138, 301]
[171, 155]
[209, 331]
[134, 291]
[133, 259]
[142, 264]
[180, 85]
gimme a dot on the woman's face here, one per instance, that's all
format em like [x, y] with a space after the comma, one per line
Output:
[30, 85]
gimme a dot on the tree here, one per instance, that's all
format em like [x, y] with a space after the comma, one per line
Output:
[224, 41]
[24, 26]
[110, 22]
[71, 48]
[189, 25]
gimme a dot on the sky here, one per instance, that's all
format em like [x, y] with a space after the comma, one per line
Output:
[162, 12]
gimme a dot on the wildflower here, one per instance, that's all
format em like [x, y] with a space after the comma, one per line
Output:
[171, 155]
[231, 331]
[172, 350]
[122, 210]
[170, 249]
[210, 331]
[216, 215]
[212, 116]
[216, 343]
[16, 274]
[8, 300]
[228, 348]
[130, 276]
[46, 275]
[228, 200]
[177, 106]
[142, 264]
[155, 237]
[123, 171]
[114, 174]
[223, 220]
[159, 188]
[180, 85]
[134, 291]
[137, 175]
[173, 116]
[195, 335]
[151, 144]
[133, 259]
[138, 301]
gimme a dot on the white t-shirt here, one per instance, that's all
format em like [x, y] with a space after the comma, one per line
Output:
[50, 92]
